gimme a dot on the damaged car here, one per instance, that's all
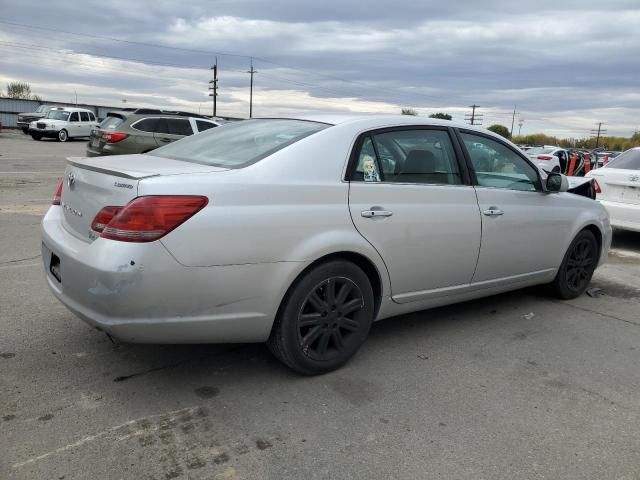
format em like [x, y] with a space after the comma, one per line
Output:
[301, 232]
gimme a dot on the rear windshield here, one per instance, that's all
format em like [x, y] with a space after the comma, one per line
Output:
[538, 150]
[629, 160]
[238, 144]
[110, 123]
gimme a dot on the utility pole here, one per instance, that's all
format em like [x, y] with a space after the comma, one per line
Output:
[520, 123]
[213, 85]
[252, 71]
[597, 132]
[513, 119]
[474, 118]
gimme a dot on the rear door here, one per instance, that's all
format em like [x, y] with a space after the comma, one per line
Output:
[74, 127]
[524, 230]
[408, 197]
[170, 129]
[85, 124]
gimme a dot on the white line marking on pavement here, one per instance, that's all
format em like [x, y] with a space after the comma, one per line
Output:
[90, 438]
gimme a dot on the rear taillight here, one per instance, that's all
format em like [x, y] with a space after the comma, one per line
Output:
[596, 185]
[58, 194]
[545, 157]
[149, 218]
[103, 218]
[114, 137]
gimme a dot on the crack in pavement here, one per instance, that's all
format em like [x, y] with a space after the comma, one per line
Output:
[584, 309]
[19, 260]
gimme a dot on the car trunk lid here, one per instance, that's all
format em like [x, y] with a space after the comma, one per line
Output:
[91, 184]
[618, 185]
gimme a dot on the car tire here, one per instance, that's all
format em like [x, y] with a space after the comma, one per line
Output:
[25, 130]
[577, 267]
[324, 318]
[63, 136]
[555, 170]
[36, 136]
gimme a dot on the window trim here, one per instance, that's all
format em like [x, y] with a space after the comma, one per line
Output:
[472, 171]
[465, 178]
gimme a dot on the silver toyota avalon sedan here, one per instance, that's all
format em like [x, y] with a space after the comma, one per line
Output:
[302, 231]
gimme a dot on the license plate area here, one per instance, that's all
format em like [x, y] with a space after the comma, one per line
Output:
[54, 267]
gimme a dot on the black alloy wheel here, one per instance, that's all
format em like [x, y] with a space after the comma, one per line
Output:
[324, 319]
[328, 320]
[578, 265]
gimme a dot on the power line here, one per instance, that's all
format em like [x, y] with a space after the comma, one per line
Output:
[473, 118]
[213, 85]
[597, 132]
[252, 71]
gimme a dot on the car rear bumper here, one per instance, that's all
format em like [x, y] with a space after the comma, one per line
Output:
[624, 216]
[139, 293]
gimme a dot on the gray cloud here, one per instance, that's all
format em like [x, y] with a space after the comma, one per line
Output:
[565, 65]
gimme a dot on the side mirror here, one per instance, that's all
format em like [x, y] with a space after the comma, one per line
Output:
[556, 182]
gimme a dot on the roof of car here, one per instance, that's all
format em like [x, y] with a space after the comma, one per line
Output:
[382, 119]
[72, 109]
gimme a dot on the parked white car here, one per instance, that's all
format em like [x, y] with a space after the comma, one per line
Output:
[302, 232]
[63, 123]
[618, 189]
[549, 158]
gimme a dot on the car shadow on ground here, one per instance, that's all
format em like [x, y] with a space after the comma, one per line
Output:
[140, 360]
[626, 240]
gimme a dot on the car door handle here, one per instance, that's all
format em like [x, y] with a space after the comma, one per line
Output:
[376, 213]
[493, 212]
[166, 140]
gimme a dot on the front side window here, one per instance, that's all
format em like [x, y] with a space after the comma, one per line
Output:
[408, 156]
[84, 116]
[629, 160]
[74, 117]
[498, 166]
[238, 144]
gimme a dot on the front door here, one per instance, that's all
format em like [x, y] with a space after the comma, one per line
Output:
[407, 198]
[523, 228]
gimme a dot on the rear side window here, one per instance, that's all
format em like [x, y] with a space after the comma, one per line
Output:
[110, 123]
[202, 125]
[147, 125]
[629, 160]
[92, 117]
[178, 126]
[84, 116]
[409, 156]
[238, 144]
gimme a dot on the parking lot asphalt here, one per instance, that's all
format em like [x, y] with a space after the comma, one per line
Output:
[512, 386]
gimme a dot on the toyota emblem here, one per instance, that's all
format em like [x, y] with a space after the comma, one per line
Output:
[70, 180]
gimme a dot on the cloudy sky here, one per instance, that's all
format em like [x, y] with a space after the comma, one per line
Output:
[565, 64]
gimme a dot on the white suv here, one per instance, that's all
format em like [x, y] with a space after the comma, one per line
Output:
[64, 123]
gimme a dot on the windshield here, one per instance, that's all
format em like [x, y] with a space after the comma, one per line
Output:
[236, 145]
[629, 160]
[43, 108]
[58, 115]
